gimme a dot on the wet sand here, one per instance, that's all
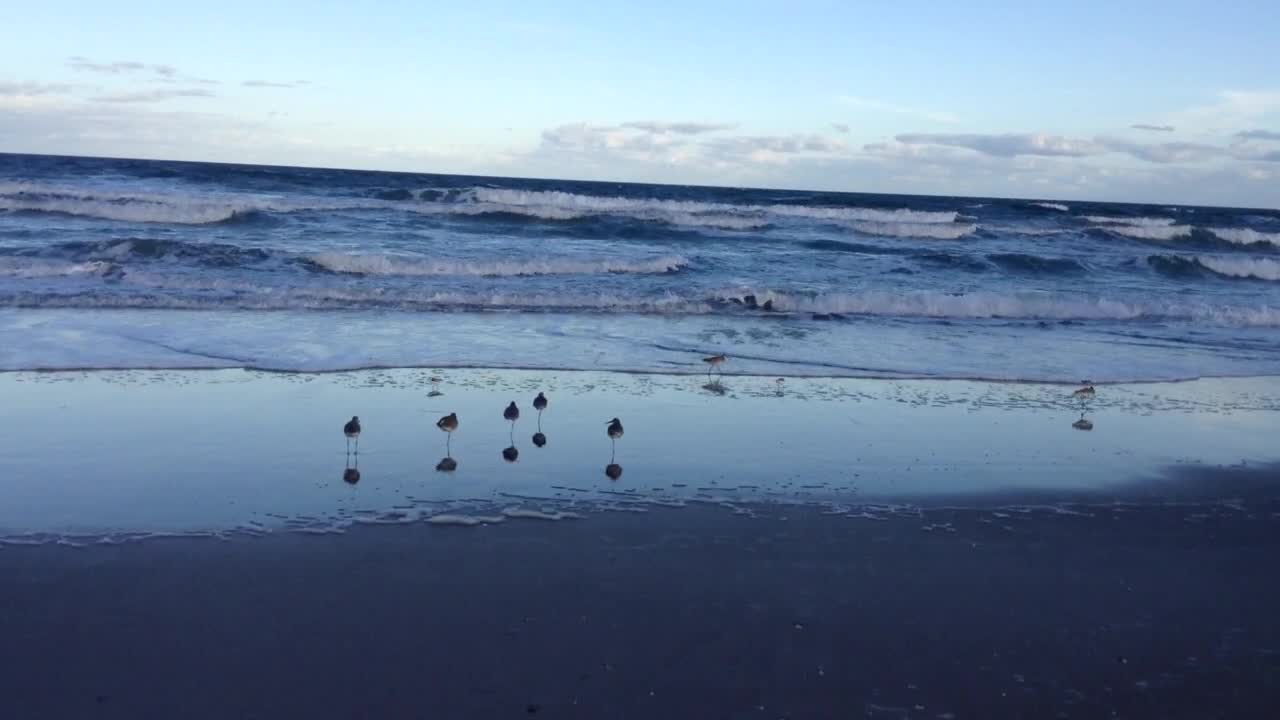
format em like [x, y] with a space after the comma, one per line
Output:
[825, 549]
[680, 613]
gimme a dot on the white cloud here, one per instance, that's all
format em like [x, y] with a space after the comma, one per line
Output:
[120, 67]
[840, 128]
[679, 128]
[150, 96]
[275, 84]
[1153, 128]
[1258, 135]
[1008, 144]
[1175, 152]
[11, 89]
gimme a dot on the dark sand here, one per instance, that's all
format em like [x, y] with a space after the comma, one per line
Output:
[1131, 611]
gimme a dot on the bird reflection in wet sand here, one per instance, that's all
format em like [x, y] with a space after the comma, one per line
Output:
[352, 431]
[351, 474]
[511, 454]
[539, 440]
[1082, 423]
[446, 464]
[715, 387]
[779, 383]
[613, 471]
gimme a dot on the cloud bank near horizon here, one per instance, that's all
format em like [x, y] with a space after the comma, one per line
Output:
[148, 116]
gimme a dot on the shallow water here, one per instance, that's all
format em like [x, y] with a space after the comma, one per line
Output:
[131, 453]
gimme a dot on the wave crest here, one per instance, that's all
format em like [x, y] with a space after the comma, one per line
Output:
[1030, 306]
[1152, 232]
[1245, 236]
[30, 268]
[408, 265]
[937, 231]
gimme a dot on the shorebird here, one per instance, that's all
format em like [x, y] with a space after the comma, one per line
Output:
[435, 386]
[448, 423]
[615, 429]
[512, 413]
[540, 403]
[352, 431]
[714, 362]
[1085, 392]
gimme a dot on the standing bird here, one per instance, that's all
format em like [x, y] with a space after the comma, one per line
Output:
[540, 404]
[714, 362]
[352, 431]
[614, 470]
[512, 413]
[448, 423]
[1085, 392]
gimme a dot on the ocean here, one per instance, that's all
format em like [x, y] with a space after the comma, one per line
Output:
[146, 264]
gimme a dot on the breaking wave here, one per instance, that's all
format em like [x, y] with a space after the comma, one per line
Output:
[1246, 236]
[22, 267]
[193, 208]
[937, 231]
[877, 303]
[1052, 206]
[1242, 267]
[1152, 232]
[1131, 221]
[409, 265]
[1191, 266]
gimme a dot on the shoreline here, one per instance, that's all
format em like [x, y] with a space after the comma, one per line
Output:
[622, 371]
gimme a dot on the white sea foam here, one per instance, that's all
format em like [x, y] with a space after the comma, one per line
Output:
[232, 295]
[1152, 232]
[1133, 221]
[1246, 236]
[411, 265]
[937, 231]
[21, 267]
[517, 513]
[683, 211]
[183, 208]
[1053, 206]
[464, 520]
[1245, 267]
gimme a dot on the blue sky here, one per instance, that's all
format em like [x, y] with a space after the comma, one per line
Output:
[979, 98]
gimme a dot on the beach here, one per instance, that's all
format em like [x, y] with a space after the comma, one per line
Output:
[183, 543]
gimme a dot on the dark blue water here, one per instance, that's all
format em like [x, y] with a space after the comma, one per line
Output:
[128, 263]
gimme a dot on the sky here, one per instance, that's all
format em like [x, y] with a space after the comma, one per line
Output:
[1168, 102]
